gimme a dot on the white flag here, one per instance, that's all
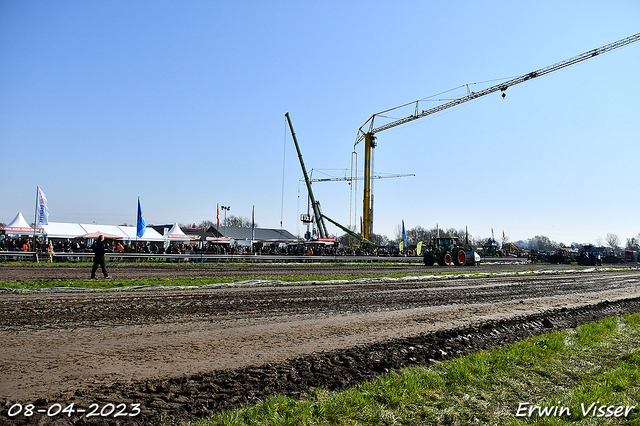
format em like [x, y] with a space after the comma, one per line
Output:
[42, 214]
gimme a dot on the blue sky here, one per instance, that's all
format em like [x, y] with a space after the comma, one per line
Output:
[182, 103]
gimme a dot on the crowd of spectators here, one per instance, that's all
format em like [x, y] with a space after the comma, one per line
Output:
[58, 246]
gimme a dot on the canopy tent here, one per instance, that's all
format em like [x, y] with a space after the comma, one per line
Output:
[150, 234]
[106, 229]
[219, 240]
[63, 230]
[19, 226]
[176, 234]
[96, 235]
[78, 230]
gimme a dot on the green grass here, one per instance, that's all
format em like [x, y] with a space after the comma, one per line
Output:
[200, 281]
[596, 363]
[179, 282]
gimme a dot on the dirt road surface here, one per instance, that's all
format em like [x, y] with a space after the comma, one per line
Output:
[190, 352]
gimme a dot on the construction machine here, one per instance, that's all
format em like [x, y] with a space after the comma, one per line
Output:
[318, 216]
[446, 251]
[367, 132]
[322, 229]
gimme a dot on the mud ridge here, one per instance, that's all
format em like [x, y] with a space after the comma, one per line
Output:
[205, 393]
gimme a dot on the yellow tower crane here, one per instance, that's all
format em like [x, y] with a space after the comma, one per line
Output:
[368, 130]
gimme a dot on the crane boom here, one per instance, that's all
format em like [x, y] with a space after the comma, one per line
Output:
[371, 141]
[502, 87]
[322, 228]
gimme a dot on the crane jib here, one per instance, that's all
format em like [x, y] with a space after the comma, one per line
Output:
[368, 135]
[498, 87]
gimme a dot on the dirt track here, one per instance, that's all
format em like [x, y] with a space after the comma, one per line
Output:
[186, 352]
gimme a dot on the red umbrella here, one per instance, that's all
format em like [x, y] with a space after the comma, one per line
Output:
[96, 235]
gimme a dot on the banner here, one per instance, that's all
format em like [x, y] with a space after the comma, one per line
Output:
[142, 225]
[419, 248]
[42, 211]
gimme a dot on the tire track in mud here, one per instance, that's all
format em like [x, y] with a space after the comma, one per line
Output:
[202, 392]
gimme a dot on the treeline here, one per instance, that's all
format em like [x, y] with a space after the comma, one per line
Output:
[540, 242]
[612, 241]
[418, 233]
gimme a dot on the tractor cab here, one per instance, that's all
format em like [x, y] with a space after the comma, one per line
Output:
[446, 242]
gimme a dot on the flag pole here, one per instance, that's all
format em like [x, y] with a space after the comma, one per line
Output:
[35, 222]
[137, 218]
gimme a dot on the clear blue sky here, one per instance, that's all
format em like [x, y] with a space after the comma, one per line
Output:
[182, 103]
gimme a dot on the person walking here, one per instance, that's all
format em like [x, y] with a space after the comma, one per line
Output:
[98, 258]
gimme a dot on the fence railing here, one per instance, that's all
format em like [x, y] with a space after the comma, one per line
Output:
[203, 258]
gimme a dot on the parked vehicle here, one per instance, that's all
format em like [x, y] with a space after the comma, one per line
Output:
[560, 256]
[588, 257]
[446, 251]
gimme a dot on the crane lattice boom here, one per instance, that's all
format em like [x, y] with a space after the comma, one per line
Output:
[370, 141]
[502, 87]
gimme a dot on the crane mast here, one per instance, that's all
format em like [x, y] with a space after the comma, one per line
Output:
[368, 135]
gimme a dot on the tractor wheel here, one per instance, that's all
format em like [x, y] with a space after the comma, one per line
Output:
[446, 259]
[460, 258]
[429, 260]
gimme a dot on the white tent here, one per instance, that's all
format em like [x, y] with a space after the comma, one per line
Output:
[176, 234]
[150, 234]
[108, 229]
[19, 226]
[74, 230]
[63, 230]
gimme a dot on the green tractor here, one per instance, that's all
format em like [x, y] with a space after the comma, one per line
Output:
[445, 251]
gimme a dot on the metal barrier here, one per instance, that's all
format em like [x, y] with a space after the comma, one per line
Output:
[203, 258]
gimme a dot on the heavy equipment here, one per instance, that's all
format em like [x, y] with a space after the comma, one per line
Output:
[319, 217]
[445, 251]
[351, 180]
[322, 229]
[368, 130]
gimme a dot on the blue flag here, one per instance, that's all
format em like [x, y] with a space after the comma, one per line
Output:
[142, 225]
[404, 235]
[253, 222]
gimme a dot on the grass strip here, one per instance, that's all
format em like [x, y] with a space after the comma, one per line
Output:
[185, 281]
[588, 376]
[276, 280]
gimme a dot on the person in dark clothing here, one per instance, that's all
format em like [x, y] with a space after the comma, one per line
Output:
[98, 258]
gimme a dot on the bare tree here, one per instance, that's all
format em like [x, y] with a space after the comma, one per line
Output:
[206, 224]
[417, 234]
[380, 240]
[612, 241]
[240, 222]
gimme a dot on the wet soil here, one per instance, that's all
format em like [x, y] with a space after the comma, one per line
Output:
[182, 353]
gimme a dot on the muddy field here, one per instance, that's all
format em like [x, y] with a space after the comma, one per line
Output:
[249, 271]
[185, 353]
